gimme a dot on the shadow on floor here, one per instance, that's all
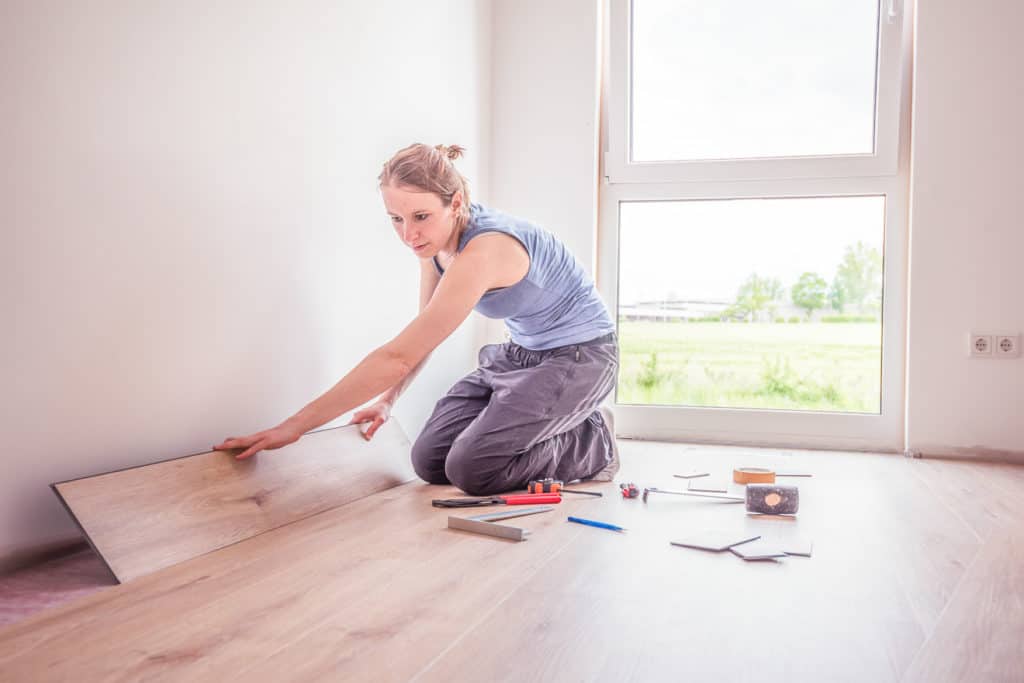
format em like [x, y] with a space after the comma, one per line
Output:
[51, 583]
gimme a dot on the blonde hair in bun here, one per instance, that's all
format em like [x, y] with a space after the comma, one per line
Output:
[429, 169]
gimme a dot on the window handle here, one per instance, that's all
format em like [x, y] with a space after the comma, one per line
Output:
[893, 12]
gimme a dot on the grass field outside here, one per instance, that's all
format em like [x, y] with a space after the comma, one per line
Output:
[816, 366]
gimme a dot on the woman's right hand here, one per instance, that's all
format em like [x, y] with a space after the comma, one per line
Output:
[267, 440]
[376, 414]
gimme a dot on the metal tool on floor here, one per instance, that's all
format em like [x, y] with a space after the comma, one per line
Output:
[550, 485]
[759, 498]
[485, 523]
[524, 499]
[717, 496]
[510, 513]
[709, 487]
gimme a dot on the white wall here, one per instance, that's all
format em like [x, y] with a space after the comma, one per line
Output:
[967, 236]
[544, 122]
[193, 241]
[544, 118]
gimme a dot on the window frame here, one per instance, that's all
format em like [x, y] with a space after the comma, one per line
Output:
[619, 168]
[885, 173]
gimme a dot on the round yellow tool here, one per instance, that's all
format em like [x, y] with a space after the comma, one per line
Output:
[753, 475]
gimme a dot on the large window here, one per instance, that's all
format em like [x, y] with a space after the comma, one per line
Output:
[753, 219]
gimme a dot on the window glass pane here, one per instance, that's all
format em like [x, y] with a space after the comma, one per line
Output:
[752, 303]
[734, 79]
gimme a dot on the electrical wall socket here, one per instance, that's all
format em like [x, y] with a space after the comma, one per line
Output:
[980, 345]
[1006, 345]
[988, 345]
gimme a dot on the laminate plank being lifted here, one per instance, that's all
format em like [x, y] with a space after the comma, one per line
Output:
[146, 518]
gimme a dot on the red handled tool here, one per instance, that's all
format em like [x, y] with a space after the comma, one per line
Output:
[550, 485]
[525, 499]
[629, 490]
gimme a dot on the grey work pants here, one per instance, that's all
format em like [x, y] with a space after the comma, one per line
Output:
[521, 415]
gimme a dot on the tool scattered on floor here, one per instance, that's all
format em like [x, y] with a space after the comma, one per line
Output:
[629, 490]
[760, 475]
[753, 475]
[715, 541]
[772, 499]
[550, 485]
[524, 499]
[745, 544]
[692, 475]
[717, 496]
[707, 487]
[599, 525]
[798, 546]
[766, 499]
[485, 523]
[757, 550]
[513, 533]
[510, 513]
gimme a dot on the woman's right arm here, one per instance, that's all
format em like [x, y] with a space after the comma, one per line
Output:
[379, 412]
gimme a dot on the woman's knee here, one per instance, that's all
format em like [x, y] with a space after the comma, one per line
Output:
[428, 459]
[462, 468]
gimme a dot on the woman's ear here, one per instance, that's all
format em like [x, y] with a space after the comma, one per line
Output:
[456, 202]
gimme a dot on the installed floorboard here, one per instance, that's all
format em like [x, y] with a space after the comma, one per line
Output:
[379, 589]
[979, 636]
[147, 518]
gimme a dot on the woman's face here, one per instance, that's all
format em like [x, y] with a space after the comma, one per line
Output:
[421, 220]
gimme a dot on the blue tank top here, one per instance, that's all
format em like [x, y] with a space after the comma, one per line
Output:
[555, 304]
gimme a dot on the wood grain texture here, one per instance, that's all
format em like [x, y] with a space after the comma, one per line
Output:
[979, 637]
[146, 518]
[378, 589]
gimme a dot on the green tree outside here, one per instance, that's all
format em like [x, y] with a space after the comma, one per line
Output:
[858, 280]
[755, 295]
[810, 293]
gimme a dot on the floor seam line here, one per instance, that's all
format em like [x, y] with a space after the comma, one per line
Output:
[491, 611]
[945, 608]
[951, 509]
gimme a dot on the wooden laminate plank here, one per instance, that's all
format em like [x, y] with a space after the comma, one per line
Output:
[146, 518]
[985, 495]
[979, 635]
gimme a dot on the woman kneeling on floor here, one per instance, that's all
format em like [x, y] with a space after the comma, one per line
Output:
[532, 408]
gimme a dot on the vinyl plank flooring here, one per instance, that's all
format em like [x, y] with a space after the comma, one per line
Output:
[985, 495]
[379, 589]
[632, 607]
[978, 637]
[371, 599]
[150, 517]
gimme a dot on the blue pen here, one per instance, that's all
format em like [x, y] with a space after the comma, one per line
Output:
[600, 525]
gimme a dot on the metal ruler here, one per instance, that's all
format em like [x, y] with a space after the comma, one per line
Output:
[484, 524]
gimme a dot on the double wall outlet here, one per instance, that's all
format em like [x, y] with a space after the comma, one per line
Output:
[989, 345]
